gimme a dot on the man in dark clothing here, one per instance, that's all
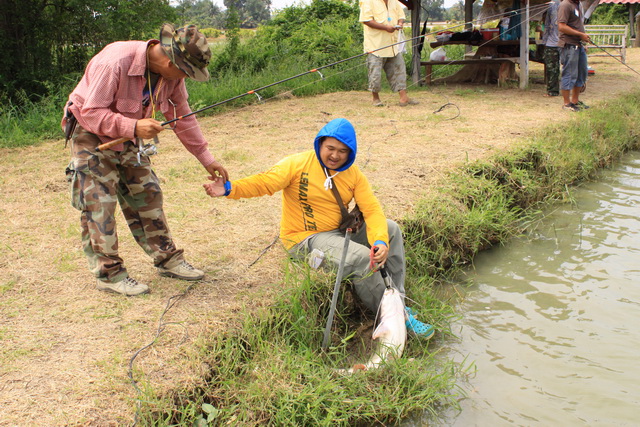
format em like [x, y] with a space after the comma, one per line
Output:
[550, 39]
[573, 55]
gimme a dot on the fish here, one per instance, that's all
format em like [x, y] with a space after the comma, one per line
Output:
[390, 334]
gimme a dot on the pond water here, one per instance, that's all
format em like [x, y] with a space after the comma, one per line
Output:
[551, 321]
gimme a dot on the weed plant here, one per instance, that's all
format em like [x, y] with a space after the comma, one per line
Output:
[299, 39]
[488, 202]
[271, 370]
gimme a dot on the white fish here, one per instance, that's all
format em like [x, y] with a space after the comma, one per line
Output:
[391, 332]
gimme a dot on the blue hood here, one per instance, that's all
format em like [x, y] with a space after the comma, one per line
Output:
[343, 131]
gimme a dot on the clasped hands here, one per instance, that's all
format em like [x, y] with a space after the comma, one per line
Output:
[215, 188]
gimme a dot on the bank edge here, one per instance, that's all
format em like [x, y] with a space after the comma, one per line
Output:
[270, 370]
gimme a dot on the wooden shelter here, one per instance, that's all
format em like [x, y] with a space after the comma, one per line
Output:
[631, 7]
[415, 7]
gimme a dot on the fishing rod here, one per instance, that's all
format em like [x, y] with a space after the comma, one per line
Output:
[110, 144]
[609, 53]
[115, 142]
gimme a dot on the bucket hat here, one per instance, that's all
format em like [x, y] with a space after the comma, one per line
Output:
[188, 49]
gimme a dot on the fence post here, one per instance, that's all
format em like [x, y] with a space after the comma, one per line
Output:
[636, 41]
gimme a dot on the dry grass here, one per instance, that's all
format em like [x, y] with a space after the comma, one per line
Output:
[66, 347]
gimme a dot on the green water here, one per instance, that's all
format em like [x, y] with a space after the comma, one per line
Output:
[552, 320]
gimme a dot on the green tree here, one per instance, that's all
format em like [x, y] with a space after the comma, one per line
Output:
[46, 39]
[203, 13]
[610, 14]
[433, 10]
[456, 12]
[251, 12]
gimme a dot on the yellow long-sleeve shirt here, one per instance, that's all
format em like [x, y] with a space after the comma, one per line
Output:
[307, 208]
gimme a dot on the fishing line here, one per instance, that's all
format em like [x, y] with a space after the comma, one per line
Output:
[608, 53]
[536, 11]
[314, 70]
[267, 99]
[171, 302]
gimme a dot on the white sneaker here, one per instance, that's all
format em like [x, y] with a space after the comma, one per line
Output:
[127, 286]
[184, 271]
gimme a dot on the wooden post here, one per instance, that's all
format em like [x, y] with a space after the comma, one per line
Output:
[632, 26]
[415, 32]
[468, 19]
[524, 49]
[636, 41]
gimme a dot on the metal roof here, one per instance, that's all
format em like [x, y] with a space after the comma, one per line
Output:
[620, 1]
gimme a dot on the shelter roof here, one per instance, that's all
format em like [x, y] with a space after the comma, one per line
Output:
[620, 1]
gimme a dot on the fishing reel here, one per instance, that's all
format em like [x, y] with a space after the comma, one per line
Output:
[147, 149]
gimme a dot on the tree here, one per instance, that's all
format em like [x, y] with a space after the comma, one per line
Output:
[45, 39]
[433, 10]
[252, 12]
[203, 13]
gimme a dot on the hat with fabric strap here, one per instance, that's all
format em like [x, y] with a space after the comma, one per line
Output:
[188, 49]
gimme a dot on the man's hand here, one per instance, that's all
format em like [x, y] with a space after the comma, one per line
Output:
[215, 170]
[380, 254]
[147, 128]
[215, 188]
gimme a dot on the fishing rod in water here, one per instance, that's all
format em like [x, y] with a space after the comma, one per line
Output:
[149, 151]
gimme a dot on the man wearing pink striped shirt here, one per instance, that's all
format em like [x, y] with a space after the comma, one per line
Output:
[123, 88]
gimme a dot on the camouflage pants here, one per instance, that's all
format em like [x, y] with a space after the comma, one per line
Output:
[395, 69]
[552, 67]
[100, 180]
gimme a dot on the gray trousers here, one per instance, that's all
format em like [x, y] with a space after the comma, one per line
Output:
[368, 286]
[395, 69]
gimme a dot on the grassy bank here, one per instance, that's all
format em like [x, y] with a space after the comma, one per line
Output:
[269, 369]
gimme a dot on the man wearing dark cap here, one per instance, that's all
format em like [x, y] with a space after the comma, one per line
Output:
[119, 96]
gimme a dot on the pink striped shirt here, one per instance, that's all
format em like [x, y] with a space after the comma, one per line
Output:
[108, 99]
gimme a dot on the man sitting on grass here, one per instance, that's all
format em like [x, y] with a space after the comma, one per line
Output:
[311, 215]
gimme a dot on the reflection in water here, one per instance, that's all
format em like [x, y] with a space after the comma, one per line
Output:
[552, 321]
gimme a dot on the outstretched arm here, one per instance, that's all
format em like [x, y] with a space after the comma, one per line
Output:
[216, 187]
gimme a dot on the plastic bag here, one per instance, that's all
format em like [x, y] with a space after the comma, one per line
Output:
[438, 55]
[402, 48]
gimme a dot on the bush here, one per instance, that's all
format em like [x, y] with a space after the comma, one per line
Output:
[610, 14]
[211, 33]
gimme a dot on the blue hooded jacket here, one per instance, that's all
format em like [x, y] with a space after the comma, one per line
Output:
[343, 131]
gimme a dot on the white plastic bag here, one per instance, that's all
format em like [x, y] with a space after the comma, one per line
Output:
[438, 55]
[402, 48]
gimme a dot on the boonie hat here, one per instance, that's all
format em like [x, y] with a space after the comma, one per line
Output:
[188, 49]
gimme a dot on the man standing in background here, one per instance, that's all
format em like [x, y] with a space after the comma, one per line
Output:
[551, 49]
[382, 21]
[573, 55]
